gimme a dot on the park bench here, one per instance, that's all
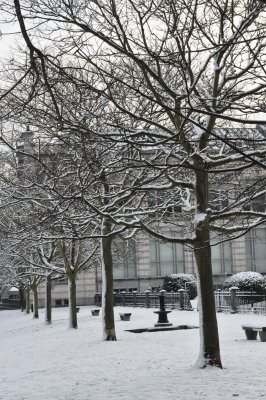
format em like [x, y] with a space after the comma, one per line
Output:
[95, 312]
[125, 316]
[252, 331]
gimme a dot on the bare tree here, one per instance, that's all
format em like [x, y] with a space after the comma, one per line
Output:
[173, 76]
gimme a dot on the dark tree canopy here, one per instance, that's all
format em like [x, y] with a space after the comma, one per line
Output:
[174, 282]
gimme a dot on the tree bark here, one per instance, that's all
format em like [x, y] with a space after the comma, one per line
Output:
[107, 285]
[210, 348]
[35, 302]
[73, 321]
[48, 300]
[27, 300]
[22, 298]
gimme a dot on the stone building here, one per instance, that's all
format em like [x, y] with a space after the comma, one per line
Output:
[153, 260]
[143, 263]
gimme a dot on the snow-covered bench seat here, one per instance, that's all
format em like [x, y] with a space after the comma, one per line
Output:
[252, 331]
[95, 312]
[125, 316]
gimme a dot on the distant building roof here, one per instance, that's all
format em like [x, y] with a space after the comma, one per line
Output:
[13, 289]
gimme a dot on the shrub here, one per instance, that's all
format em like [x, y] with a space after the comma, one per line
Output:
[246, 281]
[174, 282]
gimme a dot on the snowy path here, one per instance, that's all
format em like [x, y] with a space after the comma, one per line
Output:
[51, 362]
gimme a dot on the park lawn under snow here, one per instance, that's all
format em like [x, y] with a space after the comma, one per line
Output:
[55, 363]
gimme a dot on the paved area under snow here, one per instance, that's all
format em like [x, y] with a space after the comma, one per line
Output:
[54, 363]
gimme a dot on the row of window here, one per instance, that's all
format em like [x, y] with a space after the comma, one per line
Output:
[167, 258]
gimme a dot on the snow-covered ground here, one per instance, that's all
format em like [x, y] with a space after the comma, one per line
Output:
[54, 363]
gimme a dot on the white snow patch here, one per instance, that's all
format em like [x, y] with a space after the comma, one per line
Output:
[43, 362]
[13, 289]
[200, 217]
[198, 132]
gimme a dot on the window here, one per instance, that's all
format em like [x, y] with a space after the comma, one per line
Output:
[258, 204]
[60, 281]
[216, 259]
[255, 242]
[14, 296]
[166, 258]
[124, 259]
[61, 302]
[221, 257]
[219, 199]
[163, 202]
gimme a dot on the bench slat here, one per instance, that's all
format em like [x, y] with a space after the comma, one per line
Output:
[254, 328]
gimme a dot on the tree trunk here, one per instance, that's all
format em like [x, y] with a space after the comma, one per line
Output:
[48, 300]
[27, 301]
[22, 298]
[35, 302]
[210, 348]
[73, 322]
[107, 285]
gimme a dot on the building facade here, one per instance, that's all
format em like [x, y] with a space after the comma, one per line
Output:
[149, 260]
[142, 263]
[156, 259]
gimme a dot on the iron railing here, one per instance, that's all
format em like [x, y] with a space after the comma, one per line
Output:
[237, 301]
[230, 301]
[148, 299]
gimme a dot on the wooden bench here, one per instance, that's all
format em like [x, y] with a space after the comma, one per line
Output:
[125, 316]
[252, 332]
[95, 312]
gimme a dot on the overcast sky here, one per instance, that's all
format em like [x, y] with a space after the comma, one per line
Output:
[9, 38]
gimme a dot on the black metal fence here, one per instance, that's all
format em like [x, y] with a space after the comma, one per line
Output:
[148, 299]
[230, 301]
[9, 304]
[236, 301]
